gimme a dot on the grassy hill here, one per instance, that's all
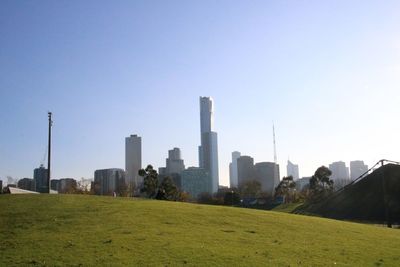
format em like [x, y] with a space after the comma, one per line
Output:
[58, 230]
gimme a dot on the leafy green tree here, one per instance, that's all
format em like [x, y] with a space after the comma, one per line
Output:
[320, 183]
[250, 189]
[150, 181]
[205, 198]
[232, 198]
[286, 188]
[168, 190]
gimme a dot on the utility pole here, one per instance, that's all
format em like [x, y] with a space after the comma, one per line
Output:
[49, 152]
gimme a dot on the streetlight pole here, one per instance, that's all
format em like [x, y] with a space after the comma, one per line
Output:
[49, 152]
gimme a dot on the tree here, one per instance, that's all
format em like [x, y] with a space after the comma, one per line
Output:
[285, 188]
[205, 198]
[167, 190]
[320, 183]
[150, 181]
[232, 198]
[250, 189]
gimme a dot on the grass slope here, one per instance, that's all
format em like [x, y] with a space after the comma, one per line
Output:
[58, 230]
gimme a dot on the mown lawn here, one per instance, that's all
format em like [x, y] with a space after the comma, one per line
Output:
[59, 230]
[288, 207]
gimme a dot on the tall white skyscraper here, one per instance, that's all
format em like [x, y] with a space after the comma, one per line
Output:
[133, 160]
[233, 170]
[208, 151]
[293, 170]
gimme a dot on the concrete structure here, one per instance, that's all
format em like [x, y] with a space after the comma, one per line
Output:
[108, 181]
[292, 170]
[340, 174]
[245, 166]
[208, 150]
[14, 190]
[233, 170]
[357, 168]
[174, 162]
[162, 171]
[267, 174]
[302, 183]
[133, 161]
[196, 181]
[40, 178]
[67, 185]
[55, 184]
[26, 184]
[339, 171]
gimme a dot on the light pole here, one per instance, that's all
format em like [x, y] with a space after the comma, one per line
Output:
[49, 152]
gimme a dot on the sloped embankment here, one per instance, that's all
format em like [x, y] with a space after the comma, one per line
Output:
[368, 199]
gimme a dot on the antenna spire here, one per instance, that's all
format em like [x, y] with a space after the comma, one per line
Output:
[273, 133]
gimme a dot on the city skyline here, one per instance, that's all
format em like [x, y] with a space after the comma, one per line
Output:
[111, 70]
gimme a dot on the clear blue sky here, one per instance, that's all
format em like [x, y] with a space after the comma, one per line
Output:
[326, 72]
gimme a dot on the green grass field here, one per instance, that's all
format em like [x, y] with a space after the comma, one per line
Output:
[59, 230]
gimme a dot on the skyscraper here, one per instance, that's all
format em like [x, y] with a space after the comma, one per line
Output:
[245, 166]
[196, 181]
[133, 160]
[233, 170]
[267, 174]
[40, 178]
[339, 170]
[293, 170]
[174, 162]
[357, 168]
[108, 181]
[208, 150]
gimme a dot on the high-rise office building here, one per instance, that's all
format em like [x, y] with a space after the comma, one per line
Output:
[133, 161]
[174, 162]
[292, 170]
[40, 178]
[267, 174]
[196, 181]
[233, 170]
[108, 181]
[339, 171]
[208, 150]
[357, 168]
[245, 167]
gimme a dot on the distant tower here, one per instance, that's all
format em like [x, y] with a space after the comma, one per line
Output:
[276, 170]
[133, 160]
[233, 170]
[208, 150]
[292, 170]
[174, 162]
[273, 133]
